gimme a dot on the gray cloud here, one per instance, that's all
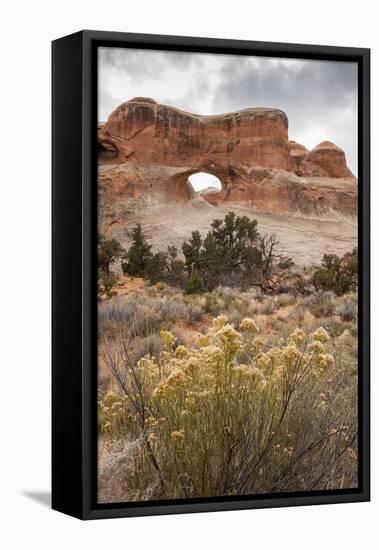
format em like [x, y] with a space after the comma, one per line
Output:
[319, 97]
[145, 64]
[108, 103]
[183, 60]
[131, 62]
[198, 89]
[316, 95]
[289, 82]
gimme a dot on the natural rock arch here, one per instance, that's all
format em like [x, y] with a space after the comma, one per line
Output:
[147, 151]
[147, 134]
[179, 189]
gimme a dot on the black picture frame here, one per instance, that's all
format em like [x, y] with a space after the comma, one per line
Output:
[74, 332]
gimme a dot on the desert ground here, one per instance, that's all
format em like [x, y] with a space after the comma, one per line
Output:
[305, 238]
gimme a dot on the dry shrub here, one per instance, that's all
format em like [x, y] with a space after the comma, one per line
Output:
[119, 464]
[148, 345]
[268, 306]
[348, 309]
[194, 313]
[145, 312]
[320, 304]
[211, 303]
[285, 300]
[335, 327]
[226, 417]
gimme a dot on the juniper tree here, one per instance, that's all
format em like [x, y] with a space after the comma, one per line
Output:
[156, 267]
[195, 284]
[108, 251]
[230, 246]
[137, 258]
[339, 275]
[174, 267]
[235, 236]
[192, 252]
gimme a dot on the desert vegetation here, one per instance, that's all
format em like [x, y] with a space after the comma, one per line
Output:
[233, 253]
[224, 369]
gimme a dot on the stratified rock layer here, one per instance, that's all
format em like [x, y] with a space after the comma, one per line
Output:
[155, 133]
[148, 151]
[329, 159]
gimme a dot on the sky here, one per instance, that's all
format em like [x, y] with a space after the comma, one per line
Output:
[319, 97]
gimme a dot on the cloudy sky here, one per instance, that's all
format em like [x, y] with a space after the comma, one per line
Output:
[319, 97]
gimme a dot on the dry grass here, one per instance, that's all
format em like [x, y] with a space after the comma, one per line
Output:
[235, 412]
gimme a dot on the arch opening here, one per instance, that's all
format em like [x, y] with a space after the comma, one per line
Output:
[203, 181]
[107, 150]
[207, 186]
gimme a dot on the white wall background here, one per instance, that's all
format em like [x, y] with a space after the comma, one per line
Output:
[27, 29]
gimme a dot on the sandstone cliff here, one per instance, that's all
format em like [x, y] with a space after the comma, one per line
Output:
[148, 151]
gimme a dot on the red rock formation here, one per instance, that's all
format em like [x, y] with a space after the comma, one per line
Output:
[298, 153]
[211, 195]
[282, 192]
[146, 132]
[148, 151]
[326, 159]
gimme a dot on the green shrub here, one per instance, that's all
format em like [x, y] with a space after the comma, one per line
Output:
[108, 251]
[286, 263]
[195, 284]
[137, 258]
[338, 275]
[106, 284]
[232, 254]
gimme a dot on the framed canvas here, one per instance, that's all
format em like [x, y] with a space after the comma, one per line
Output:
[210, 274]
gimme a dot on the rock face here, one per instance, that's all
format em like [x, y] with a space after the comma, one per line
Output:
[148, 151]
[153, 133]
[327, 160]
[211, 195]
[298, 153]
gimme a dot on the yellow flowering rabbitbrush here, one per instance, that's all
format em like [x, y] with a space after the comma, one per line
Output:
[212, 418]
[248, 325]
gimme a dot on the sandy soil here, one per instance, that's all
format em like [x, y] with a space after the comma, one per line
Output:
[305, 239]
[126, 285]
